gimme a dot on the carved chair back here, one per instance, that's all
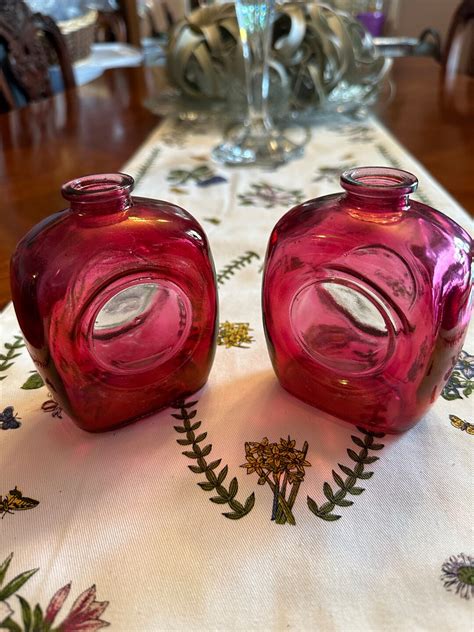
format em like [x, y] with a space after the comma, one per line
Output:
[459, 50]
[24, 38]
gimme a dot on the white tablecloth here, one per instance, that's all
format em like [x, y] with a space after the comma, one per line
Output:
[124, 518]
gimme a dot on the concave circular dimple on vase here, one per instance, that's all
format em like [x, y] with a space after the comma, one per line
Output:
[138, 324]
[343, 326]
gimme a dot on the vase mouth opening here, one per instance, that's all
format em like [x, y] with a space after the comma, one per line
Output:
[379, 182]
[101, 187]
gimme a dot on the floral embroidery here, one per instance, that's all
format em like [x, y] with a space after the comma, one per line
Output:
[203, 176]
[270, 195]
[330, 174]
[348, 486]
[357, 133]
[52, 407]
[461, 382]
[171, 139]
[84, 615]
[34, 381]
[6, 359]
[15, 501]
[234, 335]
[183, 176]
[175, 137]
[182, 128]
[9, 419]
[225, 495]
[236, 264]
[278, 464]
[458, 571]
[460, 424]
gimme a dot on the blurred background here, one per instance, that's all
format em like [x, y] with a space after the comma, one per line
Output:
[87, 37]
[404, 17]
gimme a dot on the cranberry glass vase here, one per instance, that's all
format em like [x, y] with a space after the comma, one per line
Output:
[116, 298]
[366, 299]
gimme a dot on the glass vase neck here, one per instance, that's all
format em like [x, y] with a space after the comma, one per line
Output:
[378, 190]
[99, 194]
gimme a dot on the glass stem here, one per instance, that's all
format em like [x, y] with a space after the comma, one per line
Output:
[255, 23]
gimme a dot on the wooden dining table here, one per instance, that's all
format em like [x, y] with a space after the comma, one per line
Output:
[250, 503]
[97, 127]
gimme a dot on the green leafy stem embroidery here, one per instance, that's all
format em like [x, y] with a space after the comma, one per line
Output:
[225, 496]
[33, 382]
[236, 264]
[456, 385]
[6, 359]
[146, 164]
[10, 589]
[183, 176]
[348, 486]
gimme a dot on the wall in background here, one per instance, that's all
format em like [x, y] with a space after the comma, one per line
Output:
[416, 15]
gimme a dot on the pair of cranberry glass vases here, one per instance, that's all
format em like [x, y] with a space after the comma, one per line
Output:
[366, 301]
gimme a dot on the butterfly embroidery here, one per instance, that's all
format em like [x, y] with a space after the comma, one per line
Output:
[15, 501]
[8, 419]
[460, 424]
[50, 406]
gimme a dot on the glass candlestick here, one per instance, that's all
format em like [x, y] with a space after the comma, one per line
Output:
[256, 140]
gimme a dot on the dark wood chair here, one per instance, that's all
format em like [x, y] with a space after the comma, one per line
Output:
[129, 11]
[110, 27]
[24, 38]
[459, 49]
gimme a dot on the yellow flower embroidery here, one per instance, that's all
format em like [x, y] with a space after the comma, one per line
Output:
[234, 335]
[278, 464]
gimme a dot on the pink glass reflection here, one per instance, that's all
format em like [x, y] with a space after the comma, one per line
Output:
[116, 298]
[367, 297]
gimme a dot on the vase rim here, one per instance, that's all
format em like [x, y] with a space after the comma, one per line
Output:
[98, 187]
[380, 181]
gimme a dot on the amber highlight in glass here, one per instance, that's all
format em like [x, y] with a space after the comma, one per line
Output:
[367, 297]
[116, 298]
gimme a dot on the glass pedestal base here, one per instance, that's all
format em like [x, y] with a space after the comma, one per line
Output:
[247, 146]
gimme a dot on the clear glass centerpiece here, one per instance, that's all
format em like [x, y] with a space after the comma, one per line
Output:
[257, 140]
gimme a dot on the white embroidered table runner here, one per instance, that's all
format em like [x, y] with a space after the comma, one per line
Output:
[157, 525]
